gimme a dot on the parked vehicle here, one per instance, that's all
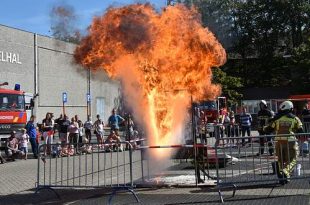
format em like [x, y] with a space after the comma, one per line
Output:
[13, 112]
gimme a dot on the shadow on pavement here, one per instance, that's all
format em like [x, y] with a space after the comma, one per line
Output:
[248, 200]
[47, 196]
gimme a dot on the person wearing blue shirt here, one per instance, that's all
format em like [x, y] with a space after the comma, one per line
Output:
[32, 132]
[245, 121]
[115, 120]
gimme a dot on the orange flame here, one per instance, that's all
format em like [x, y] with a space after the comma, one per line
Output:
[162, 59]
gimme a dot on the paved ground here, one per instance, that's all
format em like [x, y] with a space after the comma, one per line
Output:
[285, 195]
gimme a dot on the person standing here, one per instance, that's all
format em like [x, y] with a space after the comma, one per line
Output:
[221, 118]
[303, 141]
[246, 122]
[57, 124]
[32, 132]
[264, 117]
[285, 123]
[231, 128]
[129, 127]
[98, 125]
[81, 128]
[115, 120]
[306, 110]
[23, 144]
[48, 132]
[73, 133]
[88, 126]
[63, 130]
[202, 126]
[129, 124]
[306, 117]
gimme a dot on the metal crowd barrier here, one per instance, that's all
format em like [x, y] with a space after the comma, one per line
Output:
[306, 126]
[220, 156]
[185, 160]
[246, 166]
[212, 130]
[91, 166]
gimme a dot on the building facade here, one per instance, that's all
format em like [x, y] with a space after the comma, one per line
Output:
[44, 67]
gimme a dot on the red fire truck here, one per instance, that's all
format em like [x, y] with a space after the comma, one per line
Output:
[13, 114]
[212, 109]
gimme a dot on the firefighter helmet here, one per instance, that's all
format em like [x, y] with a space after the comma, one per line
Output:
[286, 105]
[263, 102]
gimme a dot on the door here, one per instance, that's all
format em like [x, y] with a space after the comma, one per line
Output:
[100, 107]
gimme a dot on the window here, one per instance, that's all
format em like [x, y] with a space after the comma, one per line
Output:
[252, 106]
[9, 102]
[100, 107]
[209, 105]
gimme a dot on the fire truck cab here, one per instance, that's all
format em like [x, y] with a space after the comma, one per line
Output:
[13, 112]
[212, 110]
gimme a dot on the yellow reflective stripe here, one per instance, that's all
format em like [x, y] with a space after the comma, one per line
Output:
[295, 123]
[290, 138]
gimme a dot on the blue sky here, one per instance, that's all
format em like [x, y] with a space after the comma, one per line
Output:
[33, 15]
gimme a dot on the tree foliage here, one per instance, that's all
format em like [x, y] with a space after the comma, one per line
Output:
[301, 68]
[267, 40]
[230, 85]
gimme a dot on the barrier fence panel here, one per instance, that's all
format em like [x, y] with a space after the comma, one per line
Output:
[284, 159]
[214, 131]
[219, 156]
[174, 165]
[88, 165]
[306, 125]
[91, 166]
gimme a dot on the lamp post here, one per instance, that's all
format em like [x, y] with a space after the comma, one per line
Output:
[88, 95]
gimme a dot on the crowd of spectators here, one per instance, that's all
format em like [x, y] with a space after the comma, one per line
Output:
[64, 137]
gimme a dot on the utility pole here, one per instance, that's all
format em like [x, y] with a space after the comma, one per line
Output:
[88, 93]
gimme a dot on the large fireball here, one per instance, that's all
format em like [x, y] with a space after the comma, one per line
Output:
[162, 60]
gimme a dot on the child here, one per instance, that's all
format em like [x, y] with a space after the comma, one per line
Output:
[86, 148]
[56, 150]
[23, 144]
[64, 151]
[71, 150]
[38, 138]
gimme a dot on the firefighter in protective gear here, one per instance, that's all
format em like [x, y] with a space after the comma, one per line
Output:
[264, 117]
[202, 123]
[286, 150]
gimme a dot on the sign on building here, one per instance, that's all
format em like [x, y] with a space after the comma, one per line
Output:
[64, 97]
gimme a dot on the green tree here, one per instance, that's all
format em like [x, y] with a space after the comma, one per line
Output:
[267, 31]
[301, 68]
[230, 86]
[218, 16]
[259, 35]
